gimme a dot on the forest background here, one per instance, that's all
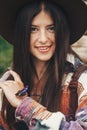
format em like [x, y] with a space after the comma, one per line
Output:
[6, 54]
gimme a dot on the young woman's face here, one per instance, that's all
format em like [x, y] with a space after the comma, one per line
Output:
[42, 38]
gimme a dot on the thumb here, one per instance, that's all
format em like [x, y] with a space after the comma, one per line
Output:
[15, 76]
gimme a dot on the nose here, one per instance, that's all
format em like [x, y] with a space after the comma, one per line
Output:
[43, 37]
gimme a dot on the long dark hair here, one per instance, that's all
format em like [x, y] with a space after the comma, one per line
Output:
[22, 59]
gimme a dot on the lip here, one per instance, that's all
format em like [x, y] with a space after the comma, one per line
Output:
[43, 49]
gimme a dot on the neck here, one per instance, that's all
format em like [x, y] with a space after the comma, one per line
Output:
[40, 67]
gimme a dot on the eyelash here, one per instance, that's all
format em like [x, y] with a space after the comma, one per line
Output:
[50, 28]
[33, 29]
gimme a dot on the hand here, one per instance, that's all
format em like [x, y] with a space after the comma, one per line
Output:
[11, 87]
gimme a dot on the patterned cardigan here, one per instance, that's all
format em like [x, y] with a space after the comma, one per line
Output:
[37, 117]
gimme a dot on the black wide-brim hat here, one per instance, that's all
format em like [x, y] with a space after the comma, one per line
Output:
[76, 11]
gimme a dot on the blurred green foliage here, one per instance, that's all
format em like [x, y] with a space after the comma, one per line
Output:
[6, 54]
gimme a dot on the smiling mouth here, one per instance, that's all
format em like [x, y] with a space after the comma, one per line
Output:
[44, 49]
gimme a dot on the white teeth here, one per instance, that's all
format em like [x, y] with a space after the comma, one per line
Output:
[43, 49]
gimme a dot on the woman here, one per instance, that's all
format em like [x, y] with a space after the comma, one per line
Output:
[43, 61]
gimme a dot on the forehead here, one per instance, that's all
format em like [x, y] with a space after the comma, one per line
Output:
[42, 17]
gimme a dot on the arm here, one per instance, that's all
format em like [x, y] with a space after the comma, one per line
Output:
[37, 116]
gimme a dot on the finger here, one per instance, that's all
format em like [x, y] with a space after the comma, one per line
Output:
[5, 76]
[15, 76]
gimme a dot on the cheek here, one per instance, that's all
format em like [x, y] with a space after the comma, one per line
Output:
[54, 46]
[52, 37]
[33, 38]
[32, 42]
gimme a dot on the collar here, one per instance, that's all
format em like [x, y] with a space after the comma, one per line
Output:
[72, 63]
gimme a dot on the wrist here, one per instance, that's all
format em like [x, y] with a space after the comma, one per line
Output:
[19, 101]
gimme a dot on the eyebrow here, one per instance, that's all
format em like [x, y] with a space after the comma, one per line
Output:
[47, 25]
[50, 25]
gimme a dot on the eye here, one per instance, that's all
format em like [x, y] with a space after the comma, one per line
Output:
[51, 28]
[34, 29]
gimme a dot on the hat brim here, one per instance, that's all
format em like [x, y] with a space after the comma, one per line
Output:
[75, 10]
